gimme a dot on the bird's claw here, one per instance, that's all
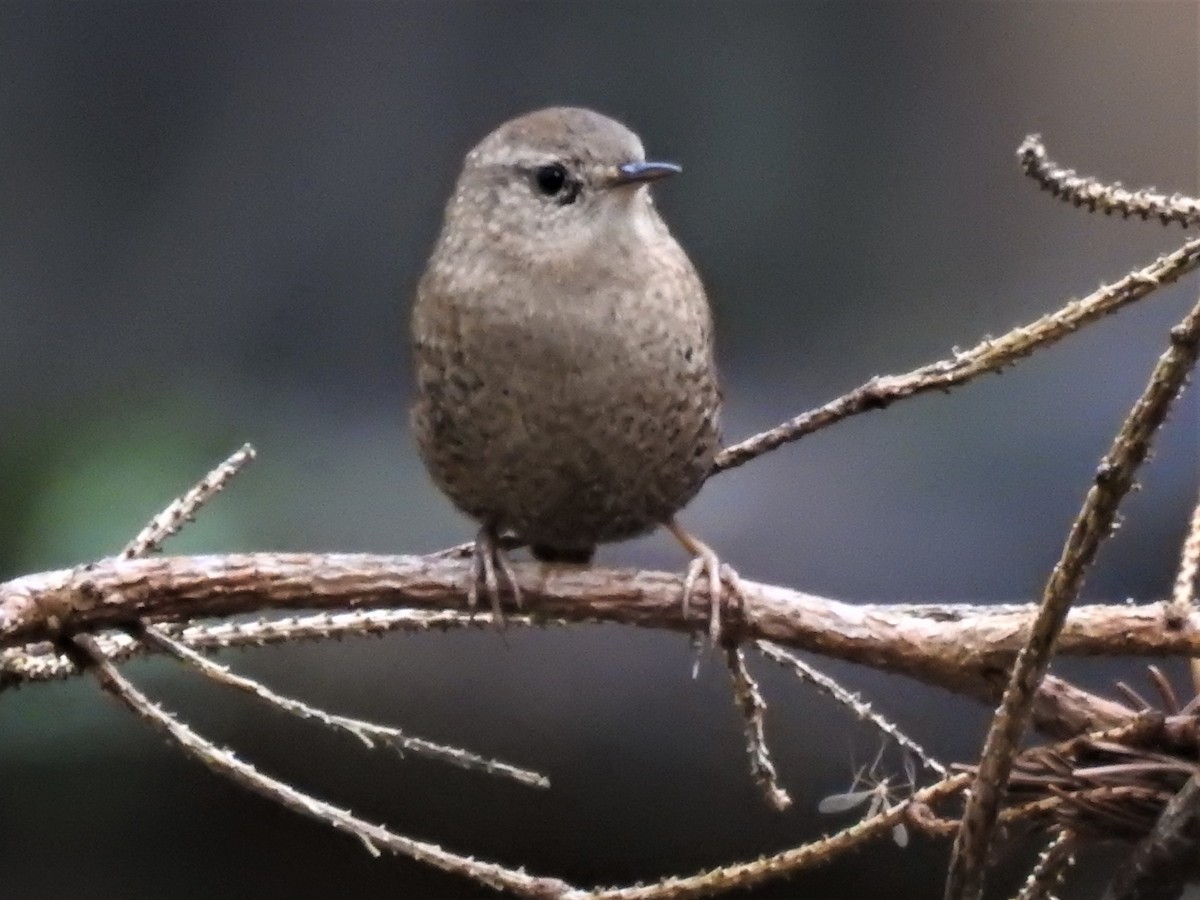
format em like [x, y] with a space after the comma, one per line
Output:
[490, 566]
[723, 585]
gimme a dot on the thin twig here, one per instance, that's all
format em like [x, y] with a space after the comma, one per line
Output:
[180, 511]
[367, 732]
[1113, 480]
[752, 706]
[851, 701]
[375, 837]
[1135, 700]
[1166, 693]
[1183, 594]
[1107, 198]
[1053, 862]
[43, 661]
[990, 355]
[749, 874]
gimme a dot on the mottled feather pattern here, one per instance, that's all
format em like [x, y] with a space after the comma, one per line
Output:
[565, 382]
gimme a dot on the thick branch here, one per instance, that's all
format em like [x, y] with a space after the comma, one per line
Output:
[968, 654]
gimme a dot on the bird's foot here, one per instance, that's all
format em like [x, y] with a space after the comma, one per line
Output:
[724, 585]
[490, 566]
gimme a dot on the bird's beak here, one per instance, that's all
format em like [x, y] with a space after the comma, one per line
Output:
[638, 172]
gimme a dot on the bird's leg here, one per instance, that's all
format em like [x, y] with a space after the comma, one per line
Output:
[490, 565]
[706, 564]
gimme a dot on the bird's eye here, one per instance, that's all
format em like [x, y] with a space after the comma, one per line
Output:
[550, 179]
[553, 180]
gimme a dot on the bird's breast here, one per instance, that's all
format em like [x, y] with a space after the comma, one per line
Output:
[578, 400]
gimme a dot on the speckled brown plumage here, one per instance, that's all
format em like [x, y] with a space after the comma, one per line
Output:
[566, 389]
[563, 341]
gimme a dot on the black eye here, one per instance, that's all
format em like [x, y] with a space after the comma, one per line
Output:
[550, 179]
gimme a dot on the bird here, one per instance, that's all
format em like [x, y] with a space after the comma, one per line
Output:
[562, 340]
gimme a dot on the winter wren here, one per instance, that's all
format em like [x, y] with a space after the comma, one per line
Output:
[562, 340]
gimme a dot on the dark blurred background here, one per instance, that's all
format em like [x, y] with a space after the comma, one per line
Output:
[212, 217]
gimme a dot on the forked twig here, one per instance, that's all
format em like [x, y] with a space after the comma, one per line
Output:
[374, 837]
[1114, 478]
[377, 838]
[367, 732]
[851, 701]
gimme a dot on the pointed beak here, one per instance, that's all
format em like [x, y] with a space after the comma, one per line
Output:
[638, 172]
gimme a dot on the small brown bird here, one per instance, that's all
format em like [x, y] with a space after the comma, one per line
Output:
[566, 392]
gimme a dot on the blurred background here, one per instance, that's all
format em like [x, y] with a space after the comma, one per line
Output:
[212, 218]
